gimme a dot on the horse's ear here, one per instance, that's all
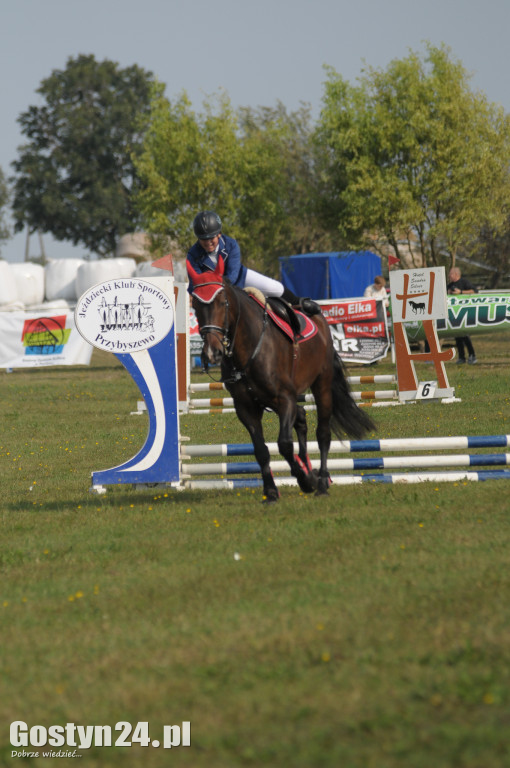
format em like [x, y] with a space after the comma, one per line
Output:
[192, 274]
[206, 285]
[199, 277]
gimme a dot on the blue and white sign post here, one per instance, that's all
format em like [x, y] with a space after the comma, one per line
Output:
[135, 319]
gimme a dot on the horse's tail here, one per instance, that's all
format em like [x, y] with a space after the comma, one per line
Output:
[347, 417]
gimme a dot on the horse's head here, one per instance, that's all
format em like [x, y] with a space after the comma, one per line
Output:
[211, 308]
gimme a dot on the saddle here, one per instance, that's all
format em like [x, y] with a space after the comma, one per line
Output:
[284, 310]
[296, 326]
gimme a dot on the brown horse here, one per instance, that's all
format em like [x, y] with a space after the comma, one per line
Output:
[263, 369]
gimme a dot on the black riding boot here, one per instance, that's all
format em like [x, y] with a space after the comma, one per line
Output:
[309, 306]
[306, 305]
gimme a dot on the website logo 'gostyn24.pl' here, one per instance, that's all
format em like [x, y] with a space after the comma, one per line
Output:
[86, 736]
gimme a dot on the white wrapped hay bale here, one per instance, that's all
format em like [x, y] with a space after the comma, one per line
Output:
[8, 287]
[126, 266]
[13, 306]
[145, 269]
[60, 279]
[30, 282]
[93, 272]
[52, 306]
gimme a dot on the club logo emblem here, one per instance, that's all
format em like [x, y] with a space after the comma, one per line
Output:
[124, 316]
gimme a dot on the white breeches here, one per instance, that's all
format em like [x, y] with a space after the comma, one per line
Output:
[267, 285]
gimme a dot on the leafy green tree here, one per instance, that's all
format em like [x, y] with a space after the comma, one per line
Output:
[493, 249]
[185, 165]
[76, 177]
[412, 154]
[4, 200]
[255, 167]
[280, 208]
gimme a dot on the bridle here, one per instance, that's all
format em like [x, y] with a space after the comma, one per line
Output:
[216, 330]
[222, 332]
[203, 291]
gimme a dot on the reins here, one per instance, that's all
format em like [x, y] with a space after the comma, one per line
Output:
[227, 342]
[216, 330]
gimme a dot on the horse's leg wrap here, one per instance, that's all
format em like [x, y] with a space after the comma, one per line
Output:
[304, 465]
[306, 474]
[307, 479]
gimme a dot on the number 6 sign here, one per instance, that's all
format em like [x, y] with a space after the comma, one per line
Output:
[426, 390]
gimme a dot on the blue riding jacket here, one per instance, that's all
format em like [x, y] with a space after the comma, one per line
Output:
[230, 252]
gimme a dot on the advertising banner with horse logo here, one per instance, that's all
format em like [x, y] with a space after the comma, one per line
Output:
[419, 293]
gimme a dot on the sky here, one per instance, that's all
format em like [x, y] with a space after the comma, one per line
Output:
[259, 52]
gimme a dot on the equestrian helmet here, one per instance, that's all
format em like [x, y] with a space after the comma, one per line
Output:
[206, 224]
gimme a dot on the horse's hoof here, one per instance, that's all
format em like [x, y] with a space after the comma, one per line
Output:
[307, 481]
[323, 485]
[307, 484]
[271, 498]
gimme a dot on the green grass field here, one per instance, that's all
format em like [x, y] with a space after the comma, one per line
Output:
[368, 629]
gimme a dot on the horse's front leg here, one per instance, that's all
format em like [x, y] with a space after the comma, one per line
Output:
[290, 416]
[250, 414]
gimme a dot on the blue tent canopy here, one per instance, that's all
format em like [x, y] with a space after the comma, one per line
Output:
[334, 275]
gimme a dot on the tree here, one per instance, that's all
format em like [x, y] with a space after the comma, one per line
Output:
[413, 154]
[184, 166]
[4, 199]
[255, 167]
[493, 248]
[76, 177]
[280, 208]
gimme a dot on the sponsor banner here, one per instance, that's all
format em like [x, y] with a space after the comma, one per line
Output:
[195, 339]
[359, 328]
[468, 315]
[348, 310]
[34, 339]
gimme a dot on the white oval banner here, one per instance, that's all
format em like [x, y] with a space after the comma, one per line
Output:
[124, 315]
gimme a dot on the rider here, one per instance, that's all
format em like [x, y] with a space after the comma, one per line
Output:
[211, 243]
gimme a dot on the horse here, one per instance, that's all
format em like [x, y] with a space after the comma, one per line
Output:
[417, 307]
[264, 370]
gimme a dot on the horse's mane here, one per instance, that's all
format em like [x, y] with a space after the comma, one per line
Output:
[244, 296]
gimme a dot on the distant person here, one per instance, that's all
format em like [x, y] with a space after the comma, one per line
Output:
[459, 285]
[377, 290]
[211, 244]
